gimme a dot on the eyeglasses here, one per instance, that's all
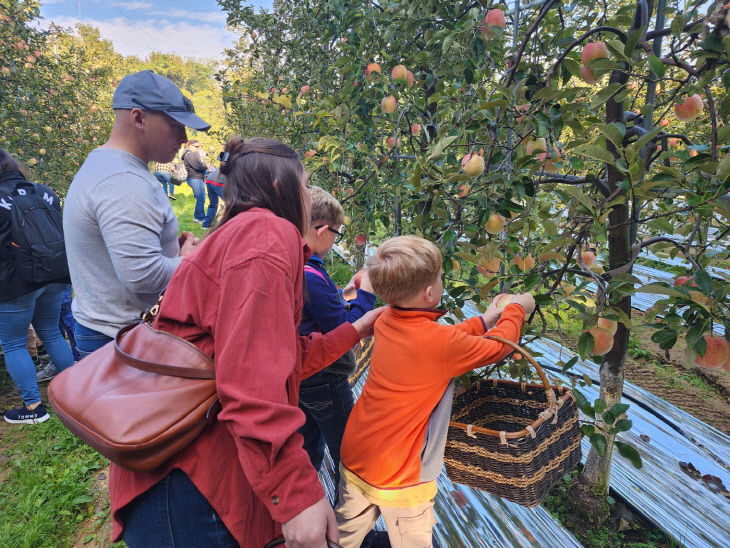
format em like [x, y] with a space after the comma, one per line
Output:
[338, 235]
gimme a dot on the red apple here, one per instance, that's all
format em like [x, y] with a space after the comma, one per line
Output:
[593, 51]
[681, 280]
[588, 258]
[473, 165]
[716, 354]
[494, 19]
[588, 75]
[388, 104]
[360, 239]
[609, 325]
[689, 109]
[410, 79]
[415, 129]
[532, 146]
[370, 69]
[602, 341]
[399, 74]
[494, 224]
[306, 90]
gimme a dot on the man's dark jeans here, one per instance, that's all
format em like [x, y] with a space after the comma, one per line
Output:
[326, 400]
[88, 340]
[174, 514]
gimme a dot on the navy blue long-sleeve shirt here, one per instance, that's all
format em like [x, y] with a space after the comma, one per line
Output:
[324, 308]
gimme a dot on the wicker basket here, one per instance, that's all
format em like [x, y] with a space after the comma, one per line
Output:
[514, 440]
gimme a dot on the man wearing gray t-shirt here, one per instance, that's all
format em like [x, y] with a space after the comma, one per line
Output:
[120, 230]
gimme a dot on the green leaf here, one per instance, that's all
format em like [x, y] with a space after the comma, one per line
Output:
[587, 429]
[570, 363]
[660, 289]
[704, 281]
[609, 418]
[657, 66]
[604, 95]
[599, 405]
[612, 133]
[629, 452]
[598, 441]
[578, 194]
[642, 141]
[632, 41]
[585, 344]
[438, 150]
[596, 153]
[619, 409]
[665, 338]
[677, 25]
[83, 499]
[622, 425]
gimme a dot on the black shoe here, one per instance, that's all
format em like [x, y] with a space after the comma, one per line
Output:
[23, 415]
[43, 356]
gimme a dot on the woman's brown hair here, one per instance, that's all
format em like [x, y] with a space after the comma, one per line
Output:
[8, 163]
[250, 168]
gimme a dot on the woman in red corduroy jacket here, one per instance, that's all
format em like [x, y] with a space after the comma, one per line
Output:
[238, 297]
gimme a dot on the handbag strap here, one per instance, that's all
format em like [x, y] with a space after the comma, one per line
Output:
[158, 368]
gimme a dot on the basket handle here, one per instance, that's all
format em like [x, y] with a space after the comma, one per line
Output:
[545, 382]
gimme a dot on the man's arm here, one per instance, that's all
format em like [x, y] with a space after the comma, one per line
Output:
[131, 221]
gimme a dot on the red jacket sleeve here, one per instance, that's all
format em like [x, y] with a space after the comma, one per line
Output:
[257, 350]
[319, 351]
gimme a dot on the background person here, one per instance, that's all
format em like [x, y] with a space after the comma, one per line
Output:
[238, 298]
[23, 302]
[121, 231]
[214, 184]
[163, 172]
[196, 168]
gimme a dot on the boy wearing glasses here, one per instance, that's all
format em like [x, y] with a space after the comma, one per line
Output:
[326, 398]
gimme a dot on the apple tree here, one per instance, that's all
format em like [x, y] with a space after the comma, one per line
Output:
[542, 146]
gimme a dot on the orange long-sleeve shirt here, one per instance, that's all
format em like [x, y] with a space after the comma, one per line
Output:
[413, 362]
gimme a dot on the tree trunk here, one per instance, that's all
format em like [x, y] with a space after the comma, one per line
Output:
[592, 488]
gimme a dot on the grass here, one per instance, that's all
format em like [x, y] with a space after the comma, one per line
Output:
[47, 489]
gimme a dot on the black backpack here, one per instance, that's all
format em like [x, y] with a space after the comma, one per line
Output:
[36, 232]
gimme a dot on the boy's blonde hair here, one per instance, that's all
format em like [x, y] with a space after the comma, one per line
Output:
[325, 207]
[402, 266]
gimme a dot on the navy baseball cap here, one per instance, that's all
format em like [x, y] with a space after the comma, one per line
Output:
[146, 90]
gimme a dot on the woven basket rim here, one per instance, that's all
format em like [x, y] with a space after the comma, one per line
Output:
[567, 394]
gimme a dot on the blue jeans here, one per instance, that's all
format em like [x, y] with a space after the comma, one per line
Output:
[165, 179]
[88, 340]
[67, 322]
[42, 308]
[326, 400]
[198, 187]
[214, 192]
[174, 514]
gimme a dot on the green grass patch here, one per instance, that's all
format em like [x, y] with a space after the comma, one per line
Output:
[47, 489]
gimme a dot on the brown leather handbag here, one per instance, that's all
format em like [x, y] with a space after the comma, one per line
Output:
[139, 399]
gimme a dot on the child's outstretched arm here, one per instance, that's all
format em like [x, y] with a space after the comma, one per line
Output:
[466, 352]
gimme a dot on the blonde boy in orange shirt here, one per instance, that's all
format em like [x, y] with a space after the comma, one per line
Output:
[392, 450]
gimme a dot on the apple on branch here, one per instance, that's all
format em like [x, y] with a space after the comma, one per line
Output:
[388, 104]
[716, 354]
[689, 109]
[472, 164]
[370, 69]
[399, 74]
[493, 22]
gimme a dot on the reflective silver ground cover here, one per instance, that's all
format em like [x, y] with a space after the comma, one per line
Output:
[684, 508]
